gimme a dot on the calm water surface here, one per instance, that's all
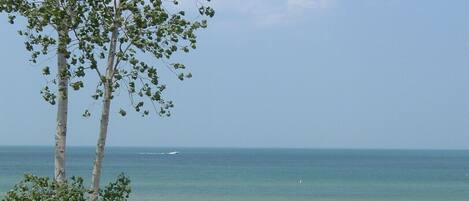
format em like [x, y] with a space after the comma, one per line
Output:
[261, 174]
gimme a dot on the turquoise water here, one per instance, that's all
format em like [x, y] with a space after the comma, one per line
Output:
[261, 174]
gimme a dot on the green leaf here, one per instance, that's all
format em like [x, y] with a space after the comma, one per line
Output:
[77, 85]
[86, 114]
[46, 70]
[122, 112]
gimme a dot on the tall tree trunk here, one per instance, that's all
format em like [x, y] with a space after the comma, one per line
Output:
[62, 107]
[104, 114]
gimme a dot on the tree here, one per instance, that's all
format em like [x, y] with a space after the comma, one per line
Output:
[116, 33]
[124, 30]
[42, 16]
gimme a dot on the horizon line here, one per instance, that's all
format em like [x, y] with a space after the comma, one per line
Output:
[252, 147]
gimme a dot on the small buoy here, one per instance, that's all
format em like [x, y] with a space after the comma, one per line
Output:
[300, 181]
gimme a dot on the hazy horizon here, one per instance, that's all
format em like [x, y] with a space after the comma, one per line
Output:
[283, 74]
[174, 148]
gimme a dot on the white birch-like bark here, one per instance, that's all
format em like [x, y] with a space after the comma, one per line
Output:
[62, 108]
[97, 167]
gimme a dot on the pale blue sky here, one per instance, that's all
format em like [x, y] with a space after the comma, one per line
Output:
[285, 73]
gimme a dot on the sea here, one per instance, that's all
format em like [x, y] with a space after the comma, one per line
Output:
[222, 174]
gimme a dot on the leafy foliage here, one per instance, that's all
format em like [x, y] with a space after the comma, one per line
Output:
[154, 27]
[116, 191]
[34, 188]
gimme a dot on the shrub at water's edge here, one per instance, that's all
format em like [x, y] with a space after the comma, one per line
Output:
[118, 190]
[34, 188]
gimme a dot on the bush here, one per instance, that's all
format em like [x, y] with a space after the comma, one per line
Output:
[34, 188]
[116, 191]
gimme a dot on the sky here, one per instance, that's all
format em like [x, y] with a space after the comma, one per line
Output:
[387, 74]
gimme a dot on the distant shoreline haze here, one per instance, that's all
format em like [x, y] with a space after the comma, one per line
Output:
[252, 148]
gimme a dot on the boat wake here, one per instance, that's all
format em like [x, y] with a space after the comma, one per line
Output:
[162, 153]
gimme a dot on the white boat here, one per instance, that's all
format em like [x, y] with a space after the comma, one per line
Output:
[173, 153]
